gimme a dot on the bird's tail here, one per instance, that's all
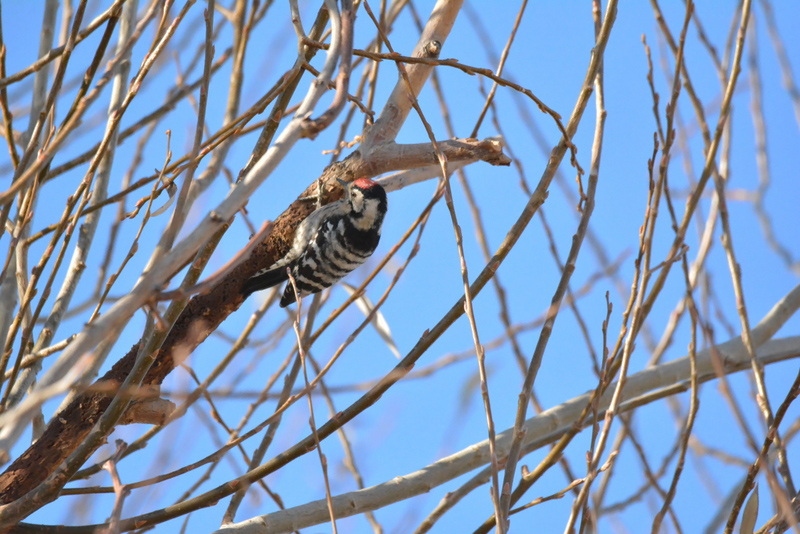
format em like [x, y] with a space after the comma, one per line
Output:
[266, 280]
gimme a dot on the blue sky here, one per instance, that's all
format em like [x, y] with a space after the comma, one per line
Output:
[421, 420]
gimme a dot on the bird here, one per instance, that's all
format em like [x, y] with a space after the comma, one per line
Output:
[328, 244]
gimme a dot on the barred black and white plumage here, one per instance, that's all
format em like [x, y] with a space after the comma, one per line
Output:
[329, 243]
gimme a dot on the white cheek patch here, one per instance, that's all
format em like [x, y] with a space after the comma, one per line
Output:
[369, 217]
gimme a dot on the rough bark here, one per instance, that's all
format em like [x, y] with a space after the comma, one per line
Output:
[205, 312]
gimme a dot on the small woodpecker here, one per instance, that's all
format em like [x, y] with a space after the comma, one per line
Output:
[329, 243]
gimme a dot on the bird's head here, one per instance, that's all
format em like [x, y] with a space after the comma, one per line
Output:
[368, 200]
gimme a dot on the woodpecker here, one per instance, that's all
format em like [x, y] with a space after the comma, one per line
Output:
[329, 243]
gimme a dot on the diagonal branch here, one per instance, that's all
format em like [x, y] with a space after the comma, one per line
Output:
[646, 386]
